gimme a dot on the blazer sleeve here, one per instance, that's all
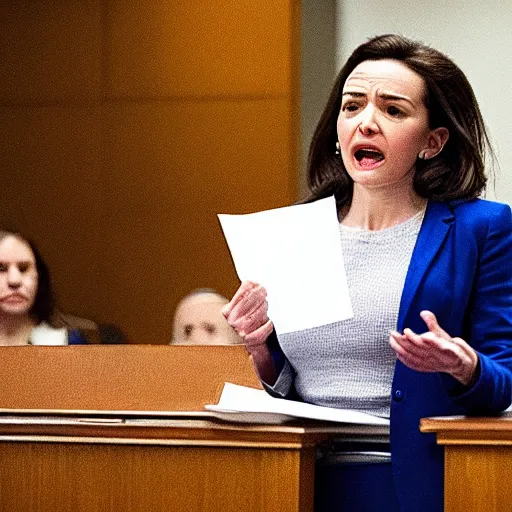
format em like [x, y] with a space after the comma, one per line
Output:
[490, 320]
[283, 387]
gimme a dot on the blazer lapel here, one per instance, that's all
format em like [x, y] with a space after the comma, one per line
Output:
[437, 222]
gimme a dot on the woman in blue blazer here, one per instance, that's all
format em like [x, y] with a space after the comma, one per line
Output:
[401, 146]
[460, 271]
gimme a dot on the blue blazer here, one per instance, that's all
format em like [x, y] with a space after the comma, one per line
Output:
[461, 270]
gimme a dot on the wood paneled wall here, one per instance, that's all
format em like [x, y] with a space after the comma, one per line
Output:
[127, 125]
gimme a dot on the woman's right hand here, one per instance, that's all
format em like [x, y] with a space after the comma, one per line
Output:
[247, 314]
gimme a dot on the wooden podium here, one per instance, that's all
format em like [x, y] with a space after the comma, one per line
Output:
[123, 428]
[478, 462]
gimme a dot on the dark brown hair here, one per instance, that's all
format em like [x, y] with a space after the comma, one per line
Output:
[44, 304]
[456, 173]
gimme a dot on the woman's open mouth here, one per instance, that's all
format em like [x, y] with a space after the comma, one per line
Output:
[368, 158]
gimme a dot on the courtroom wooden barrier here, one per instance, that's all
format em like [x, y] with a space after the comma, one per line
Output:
[123, 429]
[478, 462]
[121, 377]
[181, 465]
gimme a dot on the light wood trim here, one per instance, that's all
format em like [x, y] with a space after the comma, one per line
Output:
[192, 432]
[470, 430]
[485, 438]
[462, 423]
[143, 441]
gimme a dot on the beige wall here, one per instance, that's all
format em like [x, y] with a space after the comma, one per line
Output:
[126, 126]
[318, 70]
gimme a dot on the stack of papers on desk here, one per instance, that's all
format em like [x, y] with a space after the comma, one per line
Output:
[240, 403]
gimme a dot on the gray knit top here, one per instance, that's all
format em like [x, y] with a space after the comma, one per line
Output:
[350, 364]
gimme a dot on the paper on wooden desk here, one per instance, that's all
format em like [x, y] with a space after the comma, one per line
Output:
[240, 399]
[295, 253]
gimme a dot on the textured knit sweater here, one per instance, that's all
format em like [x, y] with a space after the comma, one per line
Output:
[350, 364]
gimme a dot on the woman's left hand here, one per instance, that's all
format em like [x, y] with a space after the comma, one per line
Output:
[435, 351]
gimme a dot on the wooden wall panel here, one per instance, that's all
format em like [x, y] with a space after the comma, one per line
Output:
[55, 194]
[127, 126]
[213, 48]
[50, 50]
[173, 167]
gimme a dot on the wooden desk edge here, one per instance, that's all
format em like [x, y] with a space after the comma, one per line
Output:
[451, 430]
[184, 431]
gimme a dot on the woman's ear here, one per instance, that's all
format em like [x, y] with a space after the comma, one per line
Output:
[437, 138]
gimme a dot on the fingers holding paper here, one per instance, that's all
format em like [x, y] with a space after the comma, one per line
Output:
[435, 351]
[247, 313]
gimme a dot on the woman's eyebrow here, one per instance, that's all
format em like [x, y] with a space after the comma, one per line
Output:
[354, 94]
[395, 97]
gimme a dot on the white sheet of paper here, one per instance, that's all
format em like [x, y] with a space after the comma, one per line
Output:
[242, 399]
[295, 253]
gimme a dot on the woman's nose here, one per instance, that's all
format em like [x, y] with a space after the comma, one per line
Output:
[368, 123]
[13, 277]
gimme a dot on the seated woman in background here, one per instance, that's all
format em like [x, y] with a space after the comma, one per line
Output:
[198, 320]
[26, 298]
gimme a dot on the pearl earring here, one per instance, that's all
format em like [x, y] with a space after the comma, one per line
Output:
[423, 155]
[337, 152]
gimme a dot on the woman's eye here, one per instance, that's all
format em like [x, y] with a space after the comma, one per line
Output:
[3, 267]
[350, 107]
[394, 111]
[23, 267]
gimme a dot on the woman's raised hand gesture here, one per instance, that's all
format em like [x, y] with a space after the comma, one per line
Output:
[435, 351]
